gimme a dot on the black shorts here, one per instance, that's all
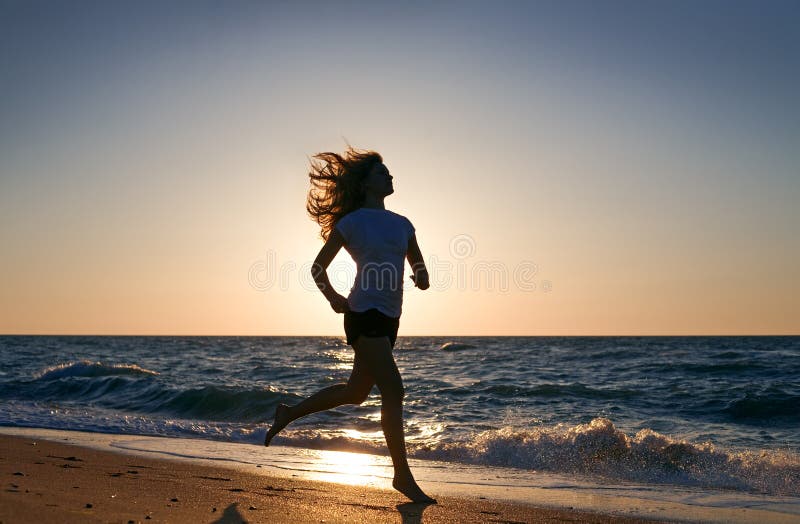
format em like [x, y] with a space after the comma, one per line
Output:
[370, 323]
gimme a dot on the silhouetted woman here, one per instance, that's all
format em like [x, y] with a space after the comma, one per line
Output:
[346, 200]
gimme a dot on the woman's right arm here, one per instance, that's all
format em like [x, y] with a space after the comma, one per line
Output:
[419, 273]
[320, 273]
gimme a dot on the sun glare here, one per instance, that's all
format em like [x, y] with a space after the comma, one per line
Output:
[353, 468]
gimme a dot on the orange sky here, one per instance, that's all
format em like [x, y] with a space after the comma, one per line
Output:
[147, 182]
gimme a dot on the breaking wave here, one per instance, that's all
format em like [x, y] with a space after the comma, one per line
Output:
[596, 449]
[87, 368]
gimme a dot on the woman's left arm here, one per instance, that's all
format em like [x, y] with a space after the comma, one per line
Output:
[419, 273]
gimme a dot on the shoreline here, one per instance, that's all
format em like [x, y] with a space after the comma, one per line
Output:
[333, 486]
[48, 481]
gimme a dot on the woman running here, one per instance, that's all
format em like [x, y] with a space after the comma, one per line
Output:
[346, 200]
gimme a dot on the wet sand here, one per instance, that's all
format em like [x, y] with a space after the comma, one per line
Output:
[45, 481]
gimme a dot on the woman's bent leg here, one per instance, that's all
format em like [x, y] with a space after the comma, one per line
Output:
[377, 355]
[355, 391]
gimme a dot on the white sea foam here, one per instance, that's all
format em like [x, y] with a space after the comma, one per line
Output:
[599, 448]
[595, 449]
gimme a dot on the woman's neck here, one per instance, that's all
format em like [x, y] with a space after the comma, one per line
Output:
[372, 202]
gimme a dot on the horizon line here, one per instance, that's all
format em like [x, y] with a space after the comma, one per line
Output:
[399, 336]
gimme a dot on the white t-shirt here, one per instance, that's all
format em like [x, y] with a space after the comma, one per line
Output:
[377, 239]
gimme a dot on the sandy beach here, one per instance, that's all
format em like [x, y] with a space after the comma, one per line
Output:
[45, 481]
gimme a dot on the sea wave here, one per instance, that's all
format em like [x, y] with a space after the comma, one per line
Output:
[221, 403]
[87, 368]
[772, 404]
[595, 449]
[540, 390]
[455, 346]
[135, 389]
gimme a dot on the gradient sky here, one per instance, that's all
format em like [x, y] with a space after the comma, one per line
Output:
[644, 155]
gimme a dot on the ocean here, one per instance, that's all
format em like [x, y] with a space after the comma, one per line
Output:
[718, 413]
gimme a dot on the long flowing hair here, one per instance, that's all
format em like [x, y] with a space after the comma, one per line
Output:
[337, 185]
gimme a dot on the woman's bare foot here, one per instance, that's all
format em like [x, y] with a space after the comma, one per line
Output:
[281, 419]
[408, 487]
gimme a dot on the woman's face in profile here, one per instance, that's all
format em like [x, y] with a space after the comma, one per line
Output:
[379, 181]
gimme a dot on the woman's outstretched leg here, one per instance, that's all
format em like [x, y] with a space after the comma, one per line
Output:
[355, 391]
[376, 353]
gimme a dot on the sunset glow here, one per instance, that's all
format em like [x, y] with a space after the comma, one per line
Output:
[568, 171]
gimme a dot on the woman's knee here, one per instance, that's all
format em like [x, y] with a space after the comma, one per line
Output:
[392, 389]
